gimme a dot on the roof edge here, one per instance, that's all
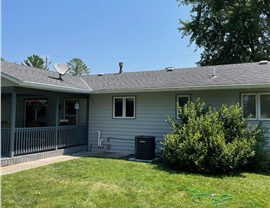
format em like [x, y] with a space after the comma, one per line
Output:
[43, 86]
[191, 88]
[53, 87]
[10, 78]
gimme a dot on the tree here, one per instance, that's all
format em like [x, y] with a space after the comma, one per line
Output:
[2, 59]
[229, 31]
[77, 67]
[34, 61]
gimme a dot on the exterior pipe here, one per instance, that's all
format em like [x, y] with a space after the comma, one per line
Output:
[100, 141]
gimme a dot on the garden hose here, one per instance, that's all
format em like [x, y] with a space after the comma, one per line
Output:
[210, 198]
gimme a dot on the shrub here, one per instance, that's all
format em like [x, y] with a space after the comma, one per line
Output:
[209, 140]
[261, 160]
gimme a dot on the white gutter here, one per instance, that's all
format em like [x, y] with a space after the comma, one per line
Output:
[12, 79]
[37, 85]
[51, 87]
[42, 86]
[187, 88]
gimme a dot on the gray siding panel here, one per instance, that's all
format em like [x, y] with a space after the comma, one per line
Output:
[152, 110]
[7, 83]
[82, 117]
[151, 115]
[266, 124]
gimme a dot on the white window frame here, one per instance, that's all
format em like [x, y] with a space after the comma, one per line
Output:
[177, 98]
[124, 107]
[257, 104]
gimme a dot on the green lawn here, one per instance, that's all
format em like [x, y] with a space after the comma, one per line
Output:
[96, 182]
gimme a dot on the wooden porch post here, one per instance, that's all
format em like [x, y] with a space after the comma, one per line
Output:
[12, 123]
[56, 122]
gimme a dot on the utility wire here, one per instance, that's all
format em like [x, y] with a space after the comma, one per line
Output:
[123, 57]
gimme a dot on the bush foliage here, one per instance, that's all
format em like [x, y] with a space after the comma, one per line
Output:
[212, 141]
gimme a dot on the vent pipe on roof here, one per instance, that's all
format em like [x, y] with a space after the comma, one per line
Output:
[214, 72]
[170, 68]
[120, 67]
[263, 62]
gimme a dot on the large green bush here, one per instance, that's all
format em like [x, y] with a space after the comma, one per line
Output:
[209, 140]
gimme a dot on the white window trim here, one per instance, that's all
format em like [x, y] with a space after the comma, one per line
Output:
[177, 98]
[257, 103]
[124, 107]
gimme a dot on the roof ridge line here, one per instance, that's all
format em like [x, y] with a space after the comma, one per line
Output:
[86, 84]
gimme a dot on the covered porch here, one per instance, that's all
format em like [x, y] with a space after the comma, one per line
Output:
[35, 121]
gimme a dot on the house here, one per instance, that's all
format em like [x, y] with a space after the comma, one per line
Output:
[106, 111]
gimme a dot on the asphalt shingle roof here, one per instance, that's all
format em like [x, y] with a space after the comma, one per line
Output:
[226, 75]
[42, 77]
[234, 75]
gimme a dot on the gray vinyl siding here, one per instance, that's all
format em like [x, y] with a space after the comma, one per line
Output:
[265, 124]
[151, 114]
[152, 110]
[82, 117]
[7, 83]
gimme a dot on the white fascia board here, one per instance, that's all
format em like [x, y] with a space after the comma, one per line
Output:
[12, 79]
[50, 87]
[187, 88]
[42, 86]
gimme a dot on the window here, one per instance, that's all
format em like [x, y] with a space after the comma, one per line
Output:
[70, 113]
[249, 105]
[256, 105]
[265, 106]
[124, 107]
[182, 100]
[35, 113]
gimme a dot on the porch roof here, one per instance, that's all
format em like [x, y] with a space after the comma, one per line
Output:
[31, 77]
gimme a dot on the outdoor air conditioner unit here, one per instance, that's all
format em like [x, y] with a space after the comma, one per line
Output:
[145, 147]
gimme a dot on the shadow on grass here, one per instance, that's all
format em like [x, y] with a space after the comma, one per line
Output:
[162, 166]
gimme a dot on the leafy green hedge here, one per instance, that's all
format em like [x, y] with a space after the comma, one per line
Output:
[212, 141]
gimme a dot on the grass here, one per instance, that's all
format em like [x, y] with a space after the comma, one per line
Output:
[95, 182]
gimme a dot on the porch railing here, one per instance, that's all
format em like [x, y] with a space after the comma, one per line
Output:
[30, 140]
[68, 133]
[5, 141]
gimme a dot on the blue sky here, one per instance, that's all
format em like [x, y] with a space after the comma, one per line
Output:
[142, 34]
